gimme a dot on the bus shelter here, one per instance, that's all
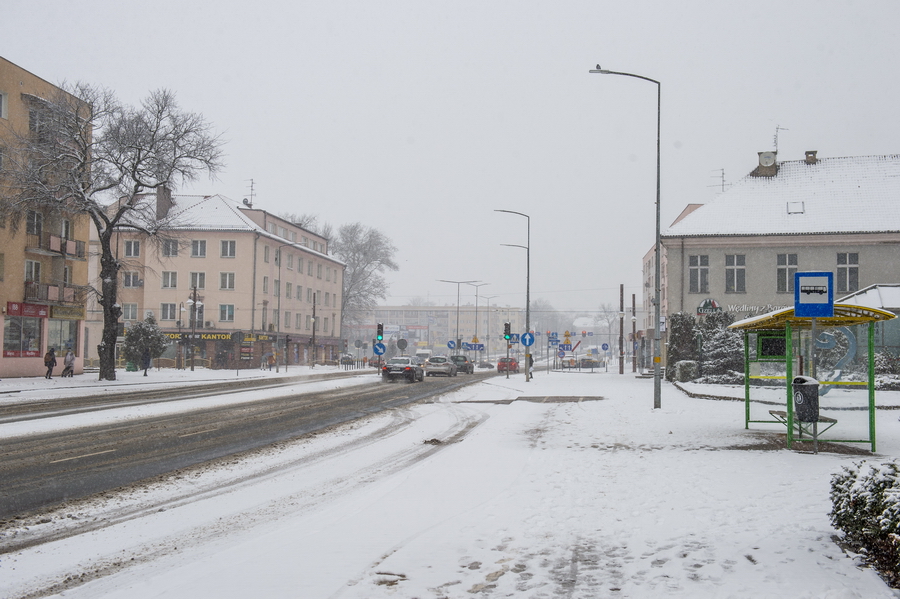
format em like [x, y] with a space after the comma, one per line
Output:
[780, 346]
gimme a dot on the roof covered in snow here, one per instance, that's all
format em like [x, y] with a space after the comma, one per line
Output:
[829, 195]
[884, 297]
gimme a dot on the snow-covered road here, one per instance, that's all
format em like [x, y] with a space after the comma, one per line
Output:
[575, 489]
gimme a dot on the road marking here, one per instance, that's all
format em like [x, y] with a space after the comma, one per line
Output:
[87, 455]
[209, 430]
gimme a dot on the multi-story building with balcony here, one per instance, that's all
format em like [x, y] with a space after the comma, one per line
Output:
[43, 263]
[223, 268]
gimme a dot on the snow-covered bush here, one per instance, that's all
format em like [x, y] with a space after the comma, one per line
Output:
[886, 363]
[686, 370]
[865, 500]
[682, 342]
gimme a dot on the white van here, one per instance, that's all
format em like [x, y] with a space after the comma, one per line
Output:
[423, 353]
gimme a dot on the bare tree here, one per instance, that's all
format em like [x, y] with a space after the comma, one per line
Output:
[86, 153]
[367, 253]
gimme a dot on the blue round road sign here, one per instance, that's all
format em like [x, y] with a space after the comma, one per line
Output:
[605, 346]
[378, 348]
[451, 344]
[527, 339]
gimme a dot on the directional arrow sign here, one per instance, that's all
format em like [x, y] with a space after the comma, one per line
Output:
[451, 344]
[378, 348]
[527, 339]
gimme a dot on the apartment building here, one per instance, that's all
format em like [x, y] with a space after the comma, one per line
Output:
[739, 252]
[43, 264]
[224, 268]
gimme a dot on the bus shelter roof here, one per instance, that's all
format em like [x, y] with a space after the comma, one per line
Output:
[845, 315]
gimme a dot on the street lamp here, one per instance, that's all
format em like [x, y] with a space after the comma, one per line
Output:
[489, 298]
[195, 305]
[458, 283]
[476, 286]
[527, 247]
[657, 381]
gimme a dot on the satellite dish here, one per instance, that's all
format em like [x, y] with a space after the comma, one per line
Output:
[246, 202]
[766, 158]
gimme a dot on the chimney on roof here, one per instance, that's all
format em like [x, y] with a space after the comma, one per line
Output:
[163, 202]
[811, 157]
[767, 165]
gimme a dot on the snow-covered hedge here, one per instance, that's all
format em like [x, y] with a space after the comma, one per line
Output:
[686, 370]
[865, 500]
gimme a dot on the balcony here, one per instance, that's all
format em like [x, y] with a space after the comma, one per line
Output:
[56, 245]
[55, 294]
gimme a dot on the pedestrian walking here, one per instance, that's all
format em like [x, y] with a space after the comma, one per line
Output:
[68, 364]
[50, 362]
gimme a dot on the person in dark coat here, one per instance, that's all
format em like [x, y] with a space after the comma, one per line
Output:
[50, 362]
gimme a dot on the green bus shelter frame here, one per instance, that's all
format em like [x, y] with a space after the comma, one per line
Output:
[780, 325]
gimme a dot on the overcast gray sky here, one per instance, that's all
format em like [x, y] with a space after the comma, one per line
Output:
[421, 118]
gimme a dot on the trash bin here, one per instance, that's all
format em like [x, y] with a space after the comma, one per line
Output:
[130, 367]
[806, 398]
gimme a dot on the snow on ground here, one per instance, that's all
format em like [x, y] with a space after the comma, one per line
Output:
[583, 491]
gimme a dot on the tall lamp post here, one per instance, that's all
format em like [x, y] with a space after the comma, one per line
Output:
[195, 304]
[476, 286]
[458, 283]
[527, 247]
[657, 381]
[489, 298]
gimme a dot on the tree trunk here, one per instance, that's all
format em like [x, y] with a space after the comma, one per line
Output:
[109, 276]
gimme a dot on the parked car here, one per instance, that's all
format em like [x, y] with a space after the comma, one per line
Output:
[568, 361]
[485, 364]
[403, 367]
[589, 363]
[347, 359]
[440, 365]
[376, 362]
[463, 364]
[508, 365]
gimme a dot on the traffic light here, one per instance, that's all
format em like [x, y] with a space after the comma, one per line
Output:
[583, 334]
[380, 334]
[507, 334]
[287, 340]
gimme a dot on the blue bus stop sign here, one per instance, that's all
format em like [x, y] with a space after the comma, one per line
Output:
[814, 294]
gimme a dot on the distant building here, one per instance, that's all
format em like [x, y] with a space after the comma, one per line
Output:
[43, 266]
[225, 268]
[739, 252]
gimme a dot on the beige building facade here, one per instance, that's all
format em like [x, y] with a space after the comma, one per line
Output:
[224, 269]
[44, 264]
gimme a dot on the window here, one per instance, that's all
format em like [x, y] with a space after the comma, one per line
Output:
[132, 248]
[198, 280]
[265, 253]
[167, 311]
[310, 269]
[308, 321]
[265, 288]
[226, 280]
[130, 279]
[299, 292]
[32, 271]
[65, 229]
[129, 311]
[290, 261]
[309, 295]
[4, 105]
[198, 248]
[22, 337]
[276, 288]
[287, 319]
[318, 271]
[37, 124]
[278, 257]
[287, 290]
[229, 249]
[325, 324]
[698, 274]
[62, 334]
[226, 312]
[328, 274]
[34, 223]
[300, 265]
[327, 299]
[169, 279]
[2, 266]
[735, 273]
[847, 271]
[170, 248]
[784, 274]
[298, 320]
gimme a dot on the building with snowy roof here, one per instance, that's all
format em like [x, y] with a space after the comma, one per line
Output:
[221, 267]
[739, 252]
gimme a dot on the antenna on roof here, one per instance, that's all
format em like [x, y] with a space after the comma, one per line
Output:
[722, 176]
[777, 129]
[248, 202]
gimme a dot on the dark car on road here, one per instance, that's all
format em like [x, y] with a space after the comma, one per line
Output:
[464, 364]
[403, 367]
[508, 365]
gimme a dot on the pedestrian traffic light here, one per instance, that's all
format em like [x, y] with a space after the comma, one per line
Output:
[380, 334]
[507, 331]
